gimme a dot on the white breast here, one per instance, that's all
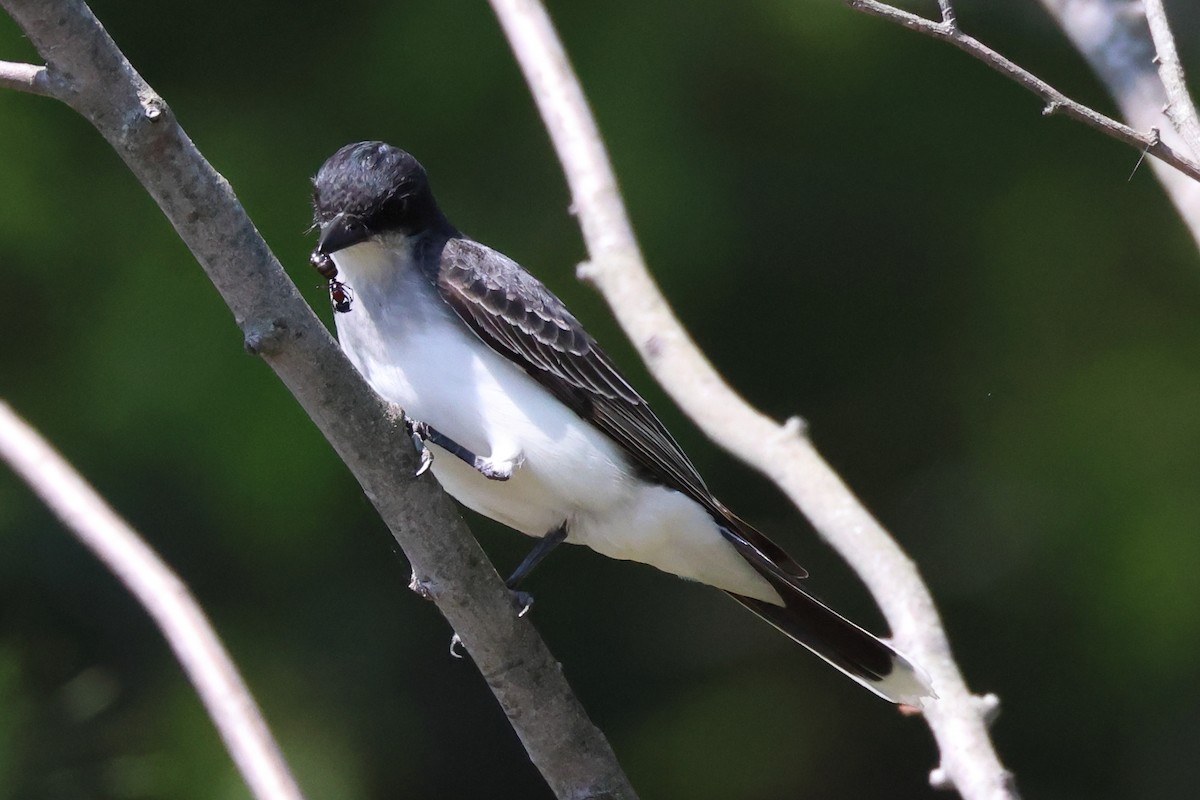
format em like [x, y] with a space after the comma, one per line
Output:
[415, 352]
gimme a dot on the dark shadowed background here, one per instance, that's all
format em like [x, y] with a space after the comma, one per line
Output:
[990, 326]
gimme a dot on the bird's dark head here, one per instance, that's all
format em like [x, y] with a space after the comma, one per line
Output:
[367, 189]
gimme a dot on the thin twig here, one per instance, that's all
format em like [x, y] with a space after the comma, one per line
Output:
[1056, 101]
[1114, 38]
[165, 598]
[570, 752]
[947, 10]
[1180, 110]
[25, 78]
[782, 452]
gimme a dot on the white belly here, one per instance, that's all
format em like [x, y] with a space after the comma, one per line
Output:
[416, 353]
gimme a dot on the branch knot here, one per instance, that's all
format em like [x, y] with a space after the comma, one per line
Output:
[585, 271]
[264, 338]
[794, 426]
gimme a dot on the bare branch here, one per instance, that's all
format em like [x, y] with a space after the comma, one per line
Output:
[1180, 110]
[1114, 38]
[1056, 101]
[25, 78]
[163, 595]
[947, 13]
[782, 453]
[571, 753]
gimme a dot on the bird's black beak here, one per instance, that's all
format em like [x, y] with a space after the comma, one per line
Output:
[341, 232]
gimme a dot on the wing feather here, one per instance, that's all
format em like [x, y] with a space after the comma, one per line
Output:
[518, 317]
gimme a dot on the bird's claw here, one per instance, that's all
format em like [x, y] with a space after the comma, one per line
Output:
[490, 468]
[522, 601]
[419, 432]
[426, 458]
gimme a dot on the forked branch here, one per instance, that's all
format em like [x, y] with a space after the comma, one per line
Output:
[782, 452]
[1056, 102]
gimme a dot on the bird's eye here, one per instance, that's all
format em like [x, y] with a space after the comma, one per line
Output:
[396, 206]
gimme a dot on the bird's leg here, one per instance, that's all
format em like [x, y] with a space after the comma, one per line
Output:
[487, 467]
[523, 601]
[417, 431]
[540, 550]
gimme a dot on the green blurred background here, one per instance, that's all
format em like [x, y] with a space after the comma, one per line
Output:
[991, 327]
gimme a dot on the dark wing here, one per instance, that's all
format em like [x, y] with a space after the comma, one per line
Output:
[517, 316]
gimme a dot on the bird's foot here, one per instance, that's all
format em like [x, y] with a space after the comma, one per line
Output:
[426, 460]
[419, 433]
[522, 601]
[422, 434]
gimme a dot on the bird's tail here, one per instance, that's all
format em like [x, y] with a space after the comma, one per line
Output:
[822, 630]
[846, 646]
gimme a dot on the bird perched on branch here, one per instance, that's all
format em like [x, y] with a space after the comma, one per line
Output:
[527, 421]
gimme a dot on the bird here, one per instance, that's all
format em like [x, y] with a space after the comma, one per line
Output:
[522, 417]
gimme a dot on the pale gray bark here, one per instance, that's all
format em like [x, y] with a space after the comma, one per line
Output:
[1114, 37]
[163, 595]
[782, 452]
[86, 70]
[1146, 139]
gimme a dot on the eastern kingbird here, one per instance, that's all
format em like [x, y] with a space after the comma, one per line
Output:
[527, 421]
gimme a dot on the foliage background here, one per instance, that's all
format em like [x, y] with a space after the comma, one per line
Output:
[990, 326]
